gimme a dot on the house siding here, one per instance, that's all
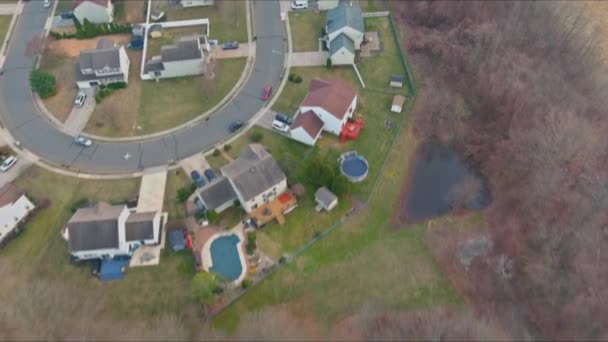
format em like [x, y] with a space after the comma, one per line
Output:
[332, 125]
[182, 68]
[343, 57]
[258, 200]
[299, 134]
[354, 35]
[94, 13]
[11, 215]
[123, 246]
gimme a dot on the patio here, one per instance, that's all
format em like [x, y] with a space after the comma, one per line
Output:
[275, 209]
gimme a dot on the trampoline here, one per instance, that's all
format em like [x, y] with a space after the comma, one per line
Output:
[353, 166]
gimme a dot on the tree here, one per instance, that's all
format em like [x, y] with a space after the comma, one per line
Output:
[182, 194]
[257, 136]
[43, 83]
[212, 216]
[328, 63]
[251, 243]
[204, 288]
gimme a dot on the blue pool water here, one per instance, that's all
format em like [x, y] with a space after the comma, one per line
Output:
[225, 257]
[354, 168]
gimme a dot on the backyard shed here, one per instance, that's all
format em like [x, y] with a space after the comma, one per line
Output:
[177, 240]
[396, 81]
[398, 102]
[325, 199]
[156, 31]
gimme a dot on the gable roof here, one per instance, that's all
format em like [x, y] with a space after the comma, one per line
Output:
[342, 41]
[217, 193]
[324, 196]
[185, 49]
[9, 194]
[140, 226]
[76, 3]
[253, 172]
[105, 54]
[344, 15]
[94, 228]
[333, 95]
[310, 122]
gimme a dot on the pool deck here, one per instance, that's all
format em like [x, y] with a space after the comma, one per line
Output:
[207, 261]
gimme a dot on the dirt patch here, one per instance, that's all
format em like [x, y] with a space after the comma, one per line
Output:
[72, 47]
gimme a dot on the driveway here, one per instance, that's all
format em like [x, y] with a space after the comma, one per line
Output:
[196, 162]
[152, 190]
[312, 58]
[20, 166]
[79, 116]
[266, 120]
[242, 51]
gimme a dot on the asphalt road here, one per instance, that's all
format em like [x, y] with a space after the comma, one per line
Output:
[26, 124]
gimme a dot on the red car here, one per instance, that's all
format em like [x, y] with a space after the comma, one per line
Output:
[267, 92]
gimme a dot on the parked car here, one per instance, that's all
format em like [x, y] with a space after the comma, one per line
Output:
[235, 126]
[66, 15]
[46, 3]
[280, 126]
[266, 93]
[83, 141]
[197, 178]
[157, 15]
[283, 118]
[299, 4]
[8, 163]
[231, 45]
[210, 175]
[80, 98]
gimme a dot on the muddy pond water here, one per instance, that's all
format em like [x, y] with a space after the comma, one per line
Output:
[440, 182]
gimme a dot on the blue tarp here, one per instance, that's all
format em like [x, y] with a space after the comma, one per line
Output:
[177, 240]
[136, 44]
[111, 269]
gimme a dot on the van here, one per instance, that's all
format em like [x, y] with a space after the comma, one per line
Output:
[280, 126]
[299, 4]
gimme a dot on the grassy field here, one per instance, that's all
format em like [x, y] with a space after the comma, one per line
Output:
[306, 29]
[5, 21]
[227, 19]
[62, 67]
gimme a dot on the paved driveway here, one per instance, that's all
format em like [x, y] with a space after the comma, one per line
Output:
[242, 51]
[79, 116]
[312, 58]
[152, 190]
[196, 162]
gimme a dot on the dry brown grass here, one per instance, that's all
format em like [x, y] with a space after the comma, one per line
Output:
[62, 67]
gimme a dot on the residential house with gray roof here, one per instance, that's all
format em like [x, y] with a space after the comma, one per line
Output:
[217, 195]
[107, 63]
[109, 230]
[186, 58]
[345, 33]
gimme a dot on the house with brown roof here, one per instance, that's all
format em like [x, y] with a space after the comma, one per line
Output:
[95, 11]
[14, 208]
[332, 101]
[106, 231]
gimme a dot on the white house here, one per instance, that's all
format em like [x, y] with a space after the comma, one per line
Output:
[14, 208]
[324, 5]
[108, 231]
[332, 100]
[255, 177]
[325, 199]
[187, 57]
[107, 63]
[345, 33]
[95, 11]
[306, 128]
[196, 3]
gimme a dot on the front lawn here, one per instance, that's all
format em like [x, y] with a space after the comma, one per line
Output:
[62, 67]
[306, 29]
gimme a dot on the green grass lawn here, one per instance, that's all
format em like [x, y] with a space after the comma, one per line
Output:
[227, 19]
[175, 180]
[63, 6]
[306, 29]
[371, 5]
[5, 21]
[173, 101]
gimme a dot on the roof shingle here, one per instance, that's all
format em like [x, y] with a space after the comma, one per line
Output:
[310, 122]
[333, 95]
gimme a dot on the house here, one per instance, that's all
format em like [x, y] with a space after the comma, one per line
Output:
[107, 63]
[187, 57]
[196, 3]
[324, 5]
[109, 231]
[345, 33]
[217, 195]
[333, 101]
[397, 105]
[95, 11]
[396, 81]
[14, 208]
[256, 178]
[325, 199]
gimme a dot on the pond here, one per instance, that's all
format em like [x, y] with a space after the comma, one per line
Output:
[439, 183]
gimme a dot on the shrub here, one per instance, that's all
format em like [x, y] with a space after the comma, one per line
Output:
[295, 78]
[227, 147]
[237, 203]
[282, 260]
[212, 216]
[251, 243]
[192, 187]
[80, 203]
[43, 83]
[199, 215]
[218, 290]
[97, 98]
[257, 136]
[182, 194]
[216, 153]
[317, 235]
[55, 35]
[328, 63]
[117, 85]
[246, 284]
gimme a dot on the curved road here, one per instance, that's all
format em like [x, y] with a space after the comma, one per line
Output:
[36, 134]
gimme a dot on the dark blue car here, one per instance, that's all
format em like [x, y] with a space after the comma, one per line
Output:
[210, 175]
[197, 178]
[235, 126]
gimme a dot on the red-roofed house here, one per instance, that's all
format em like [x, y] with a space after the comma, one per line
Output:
[306, 128]
[332, 100]
[95, 11]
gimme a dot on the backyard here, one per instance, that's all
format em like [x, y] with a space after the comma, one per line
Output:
[306, 29]
[171, 36]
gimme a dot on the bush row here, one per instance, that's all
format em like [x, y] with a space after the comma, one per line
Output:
[90, 30]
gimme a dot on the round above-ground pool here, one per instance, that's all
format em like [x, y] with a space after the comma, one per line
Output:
[225, 257]
[354, 167]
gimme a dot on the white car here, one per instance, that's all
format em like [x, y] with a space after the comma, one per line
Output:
[299, 4]
[46, 3]
[280, 126]
[80, 98]
[83, 141]
[8, 163]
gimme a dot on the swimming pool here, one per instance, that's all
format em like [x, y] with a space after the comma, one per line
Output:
[354, 167]
[225, 257]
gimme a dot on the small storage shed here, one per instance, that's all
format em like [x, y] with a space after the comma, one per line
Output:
[398, 102]
[325, 199]
[177, 240]
[396, 81]
[156, 31]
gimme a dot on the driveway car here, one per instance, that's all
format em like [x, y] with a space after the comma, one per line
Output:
[83, 141]
[46, 3]
[299, 4]
[235, 126]
[280, 126]
[80, 98]
[66, 15]
[197, 178]
[210, 175]
[283, 118]
[231, 45]
[8, 163]
[266, 93]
